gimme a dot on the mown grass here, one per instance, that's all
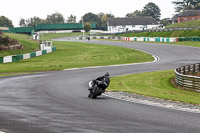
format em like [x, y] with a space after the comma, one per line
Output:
[28, 44]
[153, 84]
[51, 36]
[188, 24]
[192, 44]
[12, 74]
[77, 55]
[185, 33]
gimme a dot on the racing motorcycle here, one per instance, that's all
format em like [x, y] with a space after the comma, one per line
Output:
[94, 89]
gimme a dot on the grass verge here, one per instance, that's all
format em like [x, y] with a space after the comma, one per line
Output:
[188, 24]
[154, 84]
[77, 55]
[192, 44]
[51, 36]
[12, 74]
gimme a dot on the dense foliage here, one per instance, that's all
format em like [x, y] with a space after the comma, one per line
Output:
[149, 9]
[87, 27]
[5, 22]
[181, 5]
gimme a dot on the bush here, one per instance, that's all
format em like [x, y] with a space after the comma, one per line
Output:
[5, 41]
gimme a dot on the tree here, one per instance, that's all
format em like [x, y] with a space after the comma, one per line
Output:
[135, 14]
[165, 21]
[104, 19]
[87, 27]
[90, 17]
[22, 22]
[152, 10]
[31, 21]
[55, 18]
[34, 21]
[181, 5]
[4, 21]
[100, 15]
[71, 19]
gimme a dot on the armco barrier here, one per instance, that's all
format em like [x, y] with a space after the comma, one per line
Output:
[181, 39]
[44, 52]
[15, 58]
[20, 57]
[49, 50]
[53, 49]
[26, 56]
[38, 53]
[184, 78]
[7, 59]
[33, 54]
[145, 39]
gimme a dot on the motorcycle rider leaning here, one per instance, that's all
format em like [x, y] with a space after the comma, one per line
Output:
[103, 82]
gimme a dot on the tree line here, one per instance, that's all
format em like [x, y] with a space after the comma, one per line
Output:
[57, 18]
[101, 19]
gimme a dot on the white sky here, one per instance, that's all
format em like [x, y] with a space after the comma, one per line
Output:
[17, 9]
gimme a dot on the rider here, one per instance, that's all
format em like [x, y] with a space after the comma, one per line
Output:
[102, 81]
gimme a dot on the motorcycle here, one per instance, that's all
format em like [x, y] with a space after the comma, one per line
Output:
[94, 89]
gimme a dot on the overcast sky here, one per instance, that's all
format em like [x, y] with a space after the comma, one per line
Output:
[17, 9]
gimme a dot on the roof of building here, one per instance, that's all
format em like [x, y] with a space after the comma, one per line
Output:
[132, 21]
[175, 17]
[189, 13]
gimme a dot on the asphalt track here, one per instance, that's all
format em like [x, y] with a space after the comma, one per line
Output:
[57, 102]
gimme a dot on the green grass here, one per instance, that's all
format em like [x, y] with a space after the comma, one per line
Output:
[77, 55]
[185, 33]
[153, 84]
[11, 74]
[28, 44]
[51, 36]
[188, 24]
[193, 44]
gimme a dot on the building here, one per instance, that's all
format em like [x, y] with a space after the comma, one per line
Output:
[189, 15]
[131, 24]
[175, 19]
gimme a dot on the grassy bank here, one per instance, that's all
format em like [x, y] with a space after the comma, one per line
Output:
[185, 33]
[12, 74]
[153, 84]
[188, 24]
[28, 44]
[58, 35]
[192, 44]
[77, 55]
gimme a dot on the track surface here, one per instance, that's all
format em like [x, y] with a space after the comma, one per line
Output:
[57, 102]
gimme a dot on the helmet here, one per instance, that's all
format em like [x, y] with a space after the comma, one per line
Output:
[107, 74]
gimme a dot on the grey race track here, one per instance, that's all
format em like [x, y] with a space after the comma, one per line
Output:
[57, 102]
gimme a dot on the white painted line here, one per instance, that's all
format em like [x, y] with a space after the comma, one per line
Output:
[2, 132]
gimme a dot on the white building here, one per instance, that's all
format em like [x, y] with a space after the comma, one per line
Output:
[131, 24]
